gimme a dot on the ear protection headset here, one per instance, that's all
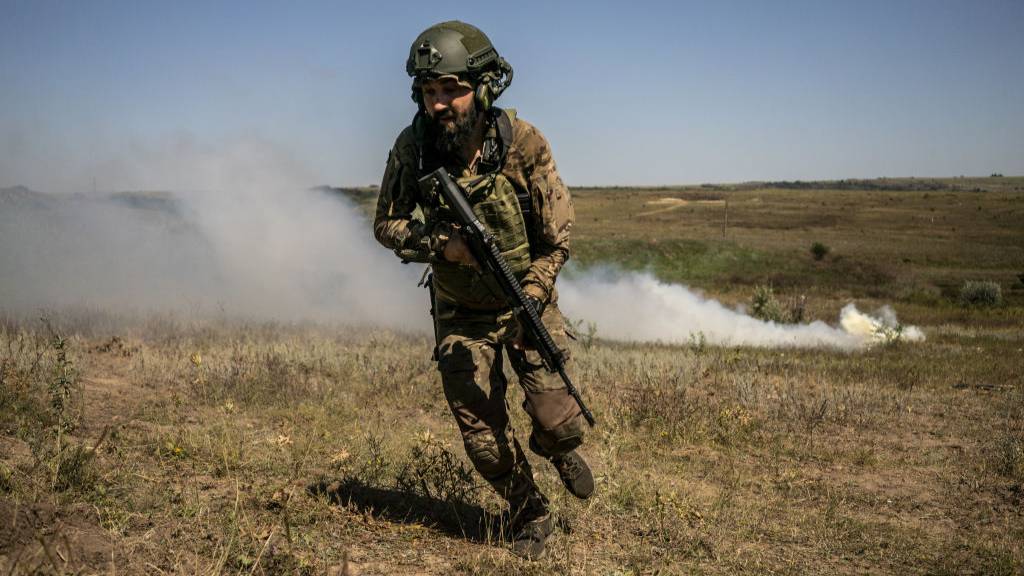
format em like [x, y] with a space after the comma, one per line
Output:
[489, 85]
[492, 84]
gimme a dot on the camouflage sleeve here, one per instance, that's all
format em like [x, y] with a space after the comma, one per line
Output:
[394, 224]
[553, 215]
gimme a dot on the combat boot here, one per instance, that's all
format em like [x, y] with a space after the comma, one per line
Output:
[532, 523]
[531, 536]
[575, 474]
[572, 469]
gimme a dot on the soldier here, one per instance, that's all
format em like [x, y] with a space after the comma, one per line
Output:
[505, 167]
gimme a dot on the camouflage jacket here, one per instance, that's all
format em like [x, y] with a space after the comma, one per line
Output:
[528, 165]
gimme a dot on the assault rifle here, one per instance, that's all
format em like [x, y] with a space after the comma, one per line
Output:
[485, 249]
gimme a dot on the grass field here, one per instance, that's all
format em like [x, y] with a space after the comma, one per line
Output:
[155, 444]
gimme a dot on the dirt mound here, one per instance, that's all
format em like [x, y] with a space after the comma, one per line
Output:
[40, 539]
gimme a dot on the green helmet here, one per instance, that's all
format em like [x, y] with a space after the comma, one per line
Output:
[458, 49]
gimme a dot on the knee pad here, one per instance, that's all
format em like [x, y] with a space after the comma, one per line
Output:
[491, 458]
[561, 439]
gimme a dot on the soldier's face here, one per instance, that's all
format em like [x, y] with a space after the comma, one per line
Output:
[453, 113]
[447, 101]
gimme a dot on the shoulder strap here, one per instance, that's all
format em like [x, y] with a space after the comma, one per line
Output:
[497, 141]
[504, 123]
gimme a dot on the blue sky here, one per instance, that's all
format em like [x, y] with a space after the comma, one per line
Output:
[628, 93]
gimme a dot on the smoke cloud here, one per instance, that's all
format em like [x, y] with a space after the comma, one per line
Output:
[243, 235]
[638, 307]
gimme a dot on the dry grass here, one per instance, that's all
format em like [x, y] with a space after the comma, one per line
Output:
[219, 446]
[910, 246]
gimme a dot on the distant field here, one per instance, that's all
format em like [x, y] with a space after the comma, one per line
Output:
[915, 243]
[152, 444]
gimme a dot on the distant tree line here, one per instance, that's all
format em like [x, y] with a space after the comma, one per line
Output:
[854, 184]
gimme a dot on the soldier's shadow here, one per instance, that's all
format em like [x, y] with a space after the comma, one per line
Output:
[453, 517]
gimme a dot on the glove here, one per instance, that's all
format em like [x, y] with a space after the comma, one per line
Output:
[428, 241]
[538, 305]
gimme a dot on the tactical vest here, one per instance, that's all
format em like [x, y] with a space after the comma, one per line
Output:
[499, 207]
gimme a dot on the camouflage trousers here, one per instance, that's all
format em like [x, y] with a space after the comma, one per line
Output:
[471, 351]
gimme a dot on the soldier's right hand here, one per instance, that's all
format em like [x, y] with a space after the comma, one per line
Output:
[456, 250]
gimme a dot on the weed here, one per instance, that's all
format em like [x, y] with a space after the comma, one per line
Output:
[981, 293]
[733, 425]
[583, 332]
[819, 251]
[74, 469]
[172, 449]
[1008, 456]
[61, 385]
[889, 335]
[374, 467]
[697, 342]
[765, 306]
[6, 479]
[434, 471]
[69, 464]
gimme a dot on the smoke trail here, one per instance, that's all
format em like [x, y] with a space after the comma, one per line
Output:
[638, 307]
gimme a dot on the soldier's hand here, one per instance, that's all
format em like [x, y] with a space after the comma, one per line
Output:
[456, 250]
[520, 342]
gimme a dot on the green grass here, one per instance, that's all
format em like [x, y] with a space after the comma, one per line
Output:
[915, 241]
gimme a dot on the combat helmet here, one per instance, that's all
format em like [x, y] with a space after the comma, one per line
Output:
[462, 50]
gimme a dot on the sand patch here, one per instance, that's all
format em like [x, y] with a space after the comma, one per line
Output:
[669, 203]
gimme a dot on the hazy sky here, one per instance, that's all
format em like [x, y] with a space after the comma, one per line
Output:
[627, 92]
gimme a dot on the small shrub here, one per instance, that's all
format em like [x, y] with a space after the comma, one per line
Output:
[764, 305]
[797, 309]
[584, 333]
[698, 342]
[62, 384]
[981, 293]
[74, 469]
[434, 471]
[819, 250]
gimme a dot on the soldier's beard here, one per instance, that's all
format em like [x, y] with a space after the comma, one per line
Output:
[450, 139]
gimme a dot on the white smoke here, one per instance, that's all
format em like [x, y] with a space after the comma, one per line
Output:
[249, 238]
[242, 234]
[880, 329]
[638, 307]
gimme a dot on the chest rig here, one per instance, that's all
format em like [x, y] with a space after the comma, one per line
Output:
[501, 208]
